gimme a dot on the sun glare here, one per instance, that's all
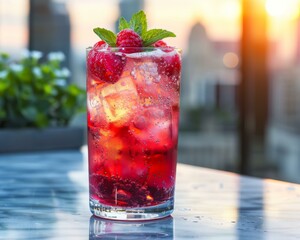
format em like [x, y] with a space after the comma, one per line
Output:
[232, 9]
[288, 9]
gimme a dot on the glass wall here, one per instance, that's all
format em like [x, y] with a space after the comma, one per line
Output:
[283, 135]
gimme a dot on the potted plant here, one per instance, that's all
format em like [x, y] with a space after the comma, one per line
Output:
[37, 104]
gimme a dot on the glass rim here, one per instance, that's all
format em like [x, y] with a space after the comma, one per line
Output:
[117, 49]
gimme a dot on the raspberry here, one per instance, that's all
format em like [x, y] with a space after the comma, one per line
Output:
[169, 65]
[129, 38]
[160, 43]
[99, 44]
[164, 47]
[105, 66]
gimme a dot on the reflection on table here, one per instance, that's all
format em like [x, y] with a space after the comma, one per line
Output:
[156, 229]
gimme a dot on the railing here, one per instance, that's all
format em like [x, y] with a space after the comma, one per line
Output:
[212, 150]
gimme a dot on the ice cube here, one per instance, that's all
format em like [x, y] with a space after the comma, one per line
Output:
[120, 101]
[149, 72]
[104, 149]
[147, 78]
[140, 122]
[124, 84]
[152, 129]
[153, 87]
[96, 116]
[170, 90]
[112, 147]
[110, 155]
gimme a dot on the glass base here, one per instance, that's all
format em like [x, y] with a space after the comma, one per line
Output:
[132, 214]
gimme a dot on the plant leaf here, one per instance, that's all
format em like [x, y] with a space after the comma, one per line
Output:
[106, 35]
[138, 23]
[29, 113]
[123, 24]
[155, 35]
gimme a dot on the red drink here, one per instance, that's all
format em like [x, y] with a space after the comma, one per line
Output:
[133, 131]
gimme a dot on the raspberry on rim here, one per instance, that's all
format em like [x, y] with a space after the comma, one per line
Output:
[129, 38]
[105, 66]
[99, 44]
[169, 65]
[160, 43]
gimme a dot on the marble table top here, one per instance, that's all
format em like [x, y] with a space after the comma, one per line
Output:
[45, 196]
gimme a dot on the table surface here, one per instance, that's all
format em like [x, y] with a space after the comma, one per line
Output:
[45, 196]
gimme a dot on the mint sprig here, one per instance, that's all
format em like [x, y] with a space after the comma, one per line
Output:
[106, 35]
[155, 35]
[123, 24]
[137, 23]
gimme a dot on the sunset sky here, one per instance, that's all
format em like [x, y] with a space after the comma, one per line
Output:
[221, 18]
[173, 19]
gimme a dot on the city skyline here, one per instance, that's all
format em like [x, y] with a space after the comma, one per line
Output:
[213, 14]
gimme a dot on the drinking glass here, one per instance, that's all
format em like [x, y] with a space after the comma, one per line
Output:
[133, 133]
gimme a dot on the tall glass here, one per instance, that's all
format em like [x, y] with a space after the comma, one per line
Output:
[133, 134]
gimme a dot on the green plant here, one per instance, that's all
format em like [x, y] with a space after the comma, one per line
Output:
[35, 94]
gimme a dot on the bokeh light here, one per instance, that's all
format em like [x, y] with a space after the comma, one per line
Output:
[230, 60]
[288, 9]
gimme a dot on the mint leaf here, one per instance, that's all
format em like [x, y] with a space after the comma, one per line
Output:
[138, 23]
[154, 35]
[106, 35]
[123, 24]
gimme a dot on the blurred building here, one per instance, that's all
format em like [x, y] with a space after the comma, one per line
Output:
[286, 97]
[284, 151]
[208, 89]
[211, 149]
[284, 129]
[128, 8]
[211, 75]
[49, 27]
[200, 66]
